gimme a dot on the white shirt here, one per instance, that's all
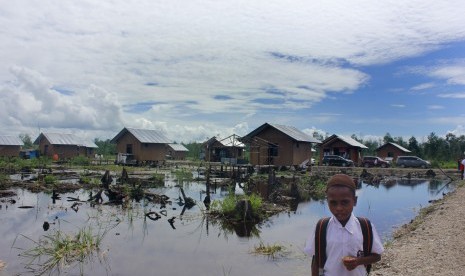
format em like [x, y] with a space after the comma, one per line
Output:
[343, 241]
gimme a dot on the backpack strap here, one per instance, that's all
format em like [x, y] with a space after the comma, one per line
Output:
[367, 231]
[320, 243]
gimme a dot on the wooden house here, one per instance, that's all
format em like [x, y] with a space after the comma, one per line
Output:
[279, 145]
[144, 145]
[343, 146]
[64, 146]
[10, 146]
[390, 151]
[228, 150]
[176, 152]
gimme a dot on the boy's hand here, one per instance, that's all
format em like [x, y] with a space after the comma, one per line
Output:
[350, 262]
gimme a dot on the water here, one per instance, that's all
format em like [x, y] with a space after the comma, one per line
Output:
[135, 245]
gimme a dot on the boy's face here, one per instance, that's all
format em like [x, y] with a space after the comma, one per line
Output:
[341, 202]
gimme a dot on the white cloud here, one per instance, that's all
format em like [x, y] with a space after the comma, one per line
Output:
[423, 86]
[453, 95]
[435, 107]
[265, 56]
[30, 101]
[398, 105]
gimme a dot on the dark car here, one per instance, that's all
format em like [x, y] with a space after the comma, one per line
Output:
[336, 160]
[374, 161]
[412, 161]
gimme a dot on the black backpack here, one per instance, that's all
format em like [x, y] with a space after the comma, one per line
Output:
[320, 240]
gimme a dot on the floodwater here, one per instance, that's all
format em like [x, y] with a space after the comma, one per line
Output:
[192, 245]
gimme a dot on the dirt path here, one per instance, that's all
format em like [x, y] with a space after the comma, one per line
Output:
[434, 244]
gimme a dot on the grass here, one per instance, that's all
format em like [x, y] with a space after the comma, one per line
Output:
[272, 250]
[57, 251]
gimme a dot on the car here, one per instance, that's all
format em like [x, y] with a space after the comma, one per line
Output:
[412, 161]
[336, 160]
[374, 161]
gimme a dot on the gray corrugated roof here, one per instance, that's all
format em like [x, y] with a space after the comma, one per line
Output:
[65, 139]
[178, 147]
[295, 134]
[352, 142]
[10, 141]
[148, 136]
[399, 147]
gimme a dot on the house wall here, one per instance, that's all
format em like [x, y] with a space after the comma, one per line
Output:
[141, 151]
[390, 151]
[9, 151]
[63, 151]
[289, 152]
[341, 148]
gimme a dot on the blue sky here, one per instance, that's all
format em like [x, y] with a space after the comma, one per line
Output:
[199, 68]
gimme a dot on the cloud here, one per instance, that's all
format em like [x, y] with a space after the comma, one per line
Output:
[423, 86]
[398, 105]
[435, 107]
[30, 100]
[460, 95]
[197, 68]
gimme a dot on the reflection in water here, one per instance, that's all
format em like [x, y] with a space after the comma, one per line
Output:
[205, 246]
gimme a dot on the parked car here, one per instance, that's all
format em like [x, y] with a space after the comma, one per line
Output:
[336, 160]
[374, 161]
[412, 161]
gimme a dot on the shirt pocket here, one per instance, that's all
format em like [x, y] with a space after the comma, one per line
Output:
[355, 245]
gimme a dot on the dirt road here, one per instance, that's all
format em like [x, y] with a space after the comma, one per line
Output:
[433, 244]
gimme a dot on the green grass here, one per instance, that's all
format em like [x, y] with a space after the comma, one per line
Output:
[59, 250]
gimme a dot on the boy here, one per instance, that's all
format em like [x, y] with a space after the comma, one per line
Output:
[344, 235]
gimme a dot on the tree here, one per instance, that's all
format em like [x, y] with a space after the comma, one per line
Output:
[105, 147]
[414, 147]
[388, 138]
[27, 141]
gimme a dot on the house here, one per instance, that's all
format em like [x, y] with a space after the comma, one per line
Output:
[227, 150]
[142, 145]
[176, 152]
[390, 151]
[279, 145]
[10, 146]
[64, 146]
[346, 147]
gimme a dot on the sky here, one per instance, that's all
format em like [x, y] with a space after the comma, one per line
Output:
[198, 68]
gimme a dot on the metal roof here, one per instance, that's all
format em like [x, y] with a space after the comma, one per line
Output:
[295, 134]
[290, 131]
[65, 139]
[148, 136]
[395, 145]
[178, 147]
[348, 140]
[10, 141]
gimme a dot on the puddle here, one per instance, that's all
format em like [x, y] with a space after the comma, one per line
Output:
[190, 244]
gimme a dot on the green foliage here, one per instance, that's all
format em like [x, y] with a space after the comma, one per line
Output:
[59, 250]
[194, 150]
[105, 147]
[158, 178]
[50, 179]
[227, 206]
[183, 175]
[27, 141]
[256, 202]
[80, 161]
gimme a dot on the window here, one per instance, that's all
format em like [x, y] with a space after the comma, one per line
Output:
[129, 148]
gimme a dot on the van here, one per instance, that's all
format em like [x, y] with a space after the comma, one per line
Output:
[412, 161]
